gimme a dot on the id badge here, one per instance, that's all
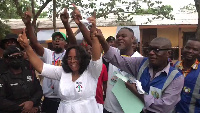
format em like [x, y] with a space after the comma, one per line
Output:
[113, 80]
[155, 92]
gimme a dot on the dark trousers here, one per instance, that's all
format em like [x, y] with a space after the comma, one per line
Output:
[50, 105]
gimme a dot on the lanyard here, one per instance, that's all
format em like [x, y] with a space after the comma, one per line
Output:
[56, 60]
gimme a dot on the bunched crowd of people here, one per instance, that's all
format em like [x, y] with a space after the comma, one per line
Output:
[79, 78]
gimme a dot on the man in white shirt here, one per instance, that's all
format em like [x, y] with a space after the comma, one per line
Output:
[50, 86]
[135, 47]
[111, 41]
[124, 40]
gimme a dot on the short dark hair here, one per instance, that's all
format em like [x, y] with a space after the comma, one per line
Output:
[82, 55]
[128, 29]
[110, 38]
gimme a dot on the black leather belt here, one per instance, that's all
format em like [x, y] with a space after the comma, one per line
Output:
[53, 99]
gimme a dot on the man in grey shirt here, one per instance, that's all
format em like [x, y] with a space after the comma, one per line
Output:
[162, 84]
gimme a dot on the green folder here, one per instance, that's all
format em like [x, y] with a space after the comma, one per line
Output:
[128, 101]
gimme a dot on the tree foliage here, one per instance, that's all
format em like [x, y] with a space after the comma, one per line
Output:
[24, 5]
[123, 9]
[13, 9]
[10, 9]
[4, 29]
[197, 5]
[190, 8]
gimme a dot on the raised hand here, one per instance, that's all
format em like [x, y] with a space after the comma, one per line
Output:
[131, 87]
[92, 20]
[99, 35]
[64, 16]
[26, 18]
[76, 15]
[22, 39]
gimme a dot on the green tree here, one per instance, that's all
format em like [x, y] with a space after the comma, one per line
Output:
[123, 9]
[14, 9]
[4, 29]
[35, 8]
[190, 8]
[12, 12]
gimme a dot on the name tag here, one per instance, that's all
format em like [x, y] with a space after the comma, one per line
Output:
[155, 92]
[14, 84]
[1, 85]
[116, 75]
[113, 80]
[29, 79]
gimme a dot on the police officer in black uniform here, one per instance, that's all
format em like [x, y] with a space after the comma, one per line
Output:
[9, 40]
[20, 90]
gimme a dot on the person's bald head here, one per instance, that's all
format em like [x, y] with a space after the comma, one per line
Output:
[162, 42]
[159, 52]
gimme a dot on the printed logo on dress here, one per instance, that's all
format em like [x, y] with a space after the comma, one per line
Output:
[79, 87]
[14, 84]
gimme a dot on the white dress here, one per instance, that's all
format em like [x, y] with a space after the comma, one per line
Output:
[77, 96]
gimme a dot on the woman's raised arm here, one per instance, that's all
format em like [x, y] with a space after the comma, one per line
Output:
[96, 47]
[33, 58]
[47, 70]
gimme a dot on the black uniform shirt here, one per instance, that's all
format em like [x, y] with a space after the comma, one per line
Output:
[16, 89]
[3, 66]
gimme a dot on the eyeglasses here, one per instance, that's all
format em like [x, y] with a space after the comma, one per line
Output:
[72, 58]
[18, 56]
[58, 38]
[156, 50]
[10, 42]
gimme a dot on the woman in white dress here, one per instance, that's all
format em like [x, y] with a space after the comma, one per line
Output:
[78, 75]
